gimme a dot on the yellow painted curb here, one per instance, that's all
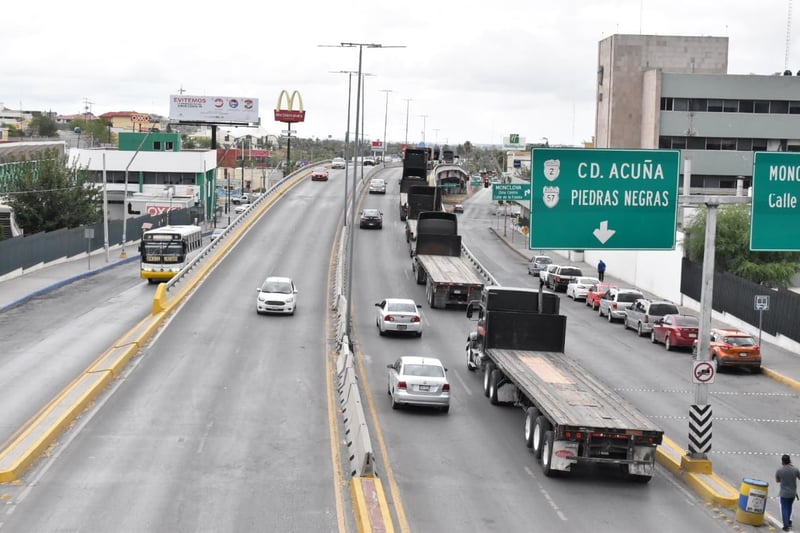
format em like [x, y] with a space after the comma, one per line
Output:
[370, 505]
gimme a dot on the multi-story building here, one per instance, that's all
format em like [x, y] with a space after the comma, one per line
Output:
[674, 92]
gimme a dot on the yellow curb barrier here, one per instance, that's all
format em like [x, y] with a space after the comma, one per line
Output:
[370, 506]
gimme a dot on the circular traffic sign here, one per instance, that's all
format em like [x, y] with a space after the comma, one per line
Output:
[703, 372]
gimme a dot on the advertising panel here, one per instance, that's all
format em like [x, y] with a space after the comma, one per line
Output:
[235, 110]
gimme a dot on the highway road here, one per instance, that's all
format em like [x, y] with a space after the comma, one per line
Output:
[223, 424]
[469, 470]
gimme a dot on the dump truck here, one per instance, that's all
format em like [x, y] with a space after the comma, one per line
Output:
[437, 261]
[570, 416]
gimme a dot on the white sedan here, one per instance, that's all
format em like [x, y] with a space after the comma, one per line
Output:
[419, 381]
[399, 315]
[277, 295]
[578, 289]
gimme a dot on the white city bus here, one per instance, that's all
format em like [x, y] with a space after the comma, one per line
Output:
[166, 250]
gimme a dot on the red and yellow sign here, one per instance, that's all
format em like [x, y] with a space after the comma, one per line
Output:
[289, 113]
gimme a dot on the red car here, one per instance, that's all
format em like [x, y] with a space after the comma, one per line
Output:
[596, 292]
[675, 330]
[319, 174]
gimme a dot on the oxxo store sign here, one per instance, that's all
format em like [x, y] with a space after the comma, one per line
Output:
[776, 202]
[583, 199]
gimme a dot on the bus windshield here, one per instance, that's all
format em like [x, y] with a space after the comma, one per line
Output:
[164, 252]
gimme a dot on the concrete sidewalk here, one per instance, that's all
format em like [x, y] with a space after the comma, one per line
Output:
[20, 286]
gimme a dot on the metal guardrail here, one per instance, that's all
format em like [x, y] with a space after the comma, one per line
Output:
[235, 222]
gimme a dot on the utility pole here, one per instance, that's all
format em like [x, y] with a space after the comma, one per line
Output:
[408, 102]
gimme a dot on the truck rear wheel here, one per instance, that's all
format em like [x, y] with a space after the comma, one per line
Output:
[419, 274]
[494, 380]
[487, 372]
[547, 455]
[531, 414]
[429, 294]
[540, 427]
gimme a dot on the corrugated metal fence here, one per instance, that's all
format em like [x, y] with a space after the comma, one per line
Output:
[736, 296]
[28, 251]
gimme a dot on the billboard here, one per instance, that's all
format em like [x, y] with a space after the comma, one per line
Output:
[288, 113]
[234, 110]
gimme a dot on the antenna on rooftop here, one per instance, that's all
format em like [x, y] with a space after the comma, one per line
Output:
[788, 35]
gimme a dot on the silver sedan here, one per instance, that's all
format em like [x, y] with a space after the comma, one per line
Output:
[419, 381]
[399, 315]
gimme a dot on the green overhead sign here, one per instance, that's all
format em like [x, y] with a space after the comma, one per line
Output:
[511, 191]
[776, 202]
[583, 199]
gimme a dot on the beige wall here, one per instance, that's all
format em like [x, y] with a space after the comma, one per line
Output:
[624, 60]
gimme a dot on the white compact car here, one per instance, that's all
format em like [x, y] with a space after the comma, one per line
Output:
[277, 295]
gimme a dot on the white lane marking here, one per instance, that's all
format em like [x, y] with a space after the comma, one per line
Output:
[547, 497]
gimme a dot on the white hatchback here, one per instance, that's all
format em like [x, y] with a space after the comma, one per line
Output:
[400, 315]
[277, 295]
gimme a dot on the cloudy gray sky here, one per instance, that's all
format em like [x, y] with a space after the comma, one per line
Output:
[473, 70]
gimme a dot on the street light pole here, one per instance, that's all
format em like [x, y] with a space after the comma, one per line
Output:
[424, 122]
[385, 121]
[352, 214]
[125, 196]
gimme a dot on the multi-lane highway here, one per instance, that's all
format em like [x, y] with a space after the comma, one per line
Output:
[225, 422]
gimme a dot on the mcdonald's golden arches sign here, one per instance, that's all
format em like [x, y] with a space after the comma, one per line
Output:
[289, 113]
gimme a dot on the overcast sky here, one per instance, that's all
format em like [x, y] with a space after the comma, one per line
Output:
[473, 70]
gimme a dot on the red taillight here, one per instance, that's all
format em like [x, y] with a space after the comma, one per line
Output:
[401, 385]
[414, 319]
[446, 387]
[388, 318]
[614, 305]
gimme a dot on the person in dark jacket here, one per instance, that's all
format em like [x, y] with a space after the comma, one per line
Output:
[601, 270]
[787, 475]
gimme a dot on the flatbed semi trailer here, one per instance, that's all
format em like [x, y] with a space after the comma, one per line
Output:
[570, 416]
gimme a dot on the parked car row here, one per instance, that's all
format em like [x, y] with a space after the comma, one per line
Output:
[662, 321]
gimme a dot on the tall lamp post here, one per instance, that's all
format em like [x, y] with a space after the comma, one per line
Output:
[360, 47]
[125, 196]
[347, 132]
[424, 127]
[385, 121]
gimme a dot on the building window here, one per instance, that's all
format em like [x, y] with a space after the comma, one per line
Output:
[156, 146]
[698, 104]
[695, 143]
[745, 106]
[744, 145]
[779, 107]
[727, 144]
[715, 106]
[680, 104]
[665, 142]
[600, 75]
[168, 145]
[794, 108]
[679, 143]
[759, 145]
[666, 104]
[713, 143]
[761, 106]
[730, 106]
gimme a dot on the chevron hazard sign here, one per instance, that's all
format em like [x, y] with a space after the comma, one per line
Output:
[699, 429]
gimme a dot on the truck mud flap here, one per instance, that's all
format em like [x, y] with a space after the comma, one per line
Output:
[564, 455]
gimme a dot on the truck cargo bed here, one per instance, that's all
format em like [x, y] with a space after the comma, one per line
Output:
[449, 269]
[567, 393]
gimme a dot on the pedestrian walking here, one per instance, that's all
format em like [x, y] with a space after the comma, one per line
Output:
[601, 270]
[787, 475]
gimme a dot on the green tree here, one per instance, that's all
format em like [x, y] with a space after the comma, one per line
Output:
[95, 131]
[44, 125]
[48, 195]
[732, 249]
